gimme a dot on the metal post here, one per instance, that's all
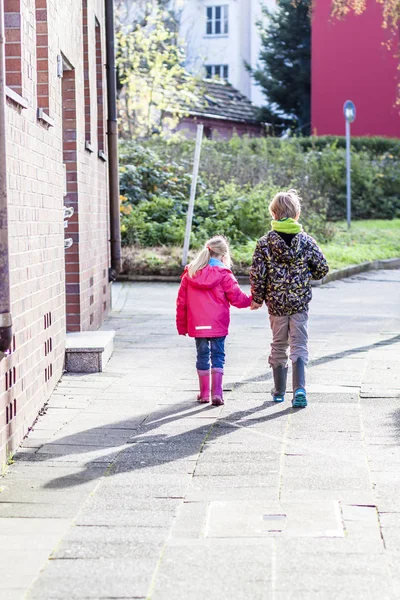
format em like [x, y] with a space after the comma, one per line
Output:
[112, 138]
[348, 173]
[196, 163]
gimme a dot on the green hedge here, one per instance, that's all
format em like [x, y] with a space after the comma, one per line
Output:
[316, 166]
[375, 146]
[239, 178]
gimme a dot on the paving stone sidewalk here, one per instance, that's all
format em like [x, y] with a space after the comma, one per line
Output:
[126, 488]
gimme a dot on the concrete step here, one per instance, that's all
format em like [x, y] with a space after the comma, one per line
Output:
[88, 351]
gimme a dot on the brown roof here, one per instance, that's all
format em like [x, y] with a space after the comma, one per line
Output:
[220, 100]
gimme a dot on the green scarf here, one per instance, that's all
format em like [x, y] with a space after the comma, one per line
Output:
[286, 226]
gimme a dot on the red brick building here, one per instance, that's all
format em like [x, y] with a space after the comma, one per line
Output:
[56, 156]
[350, 61]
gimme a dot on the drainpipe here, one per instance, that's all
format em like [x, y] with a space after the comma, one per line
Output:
[112, 137]
[5, 315]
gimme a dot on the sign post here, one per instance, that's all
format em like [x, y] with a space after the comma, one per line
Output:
[189, 220]
[349, 111]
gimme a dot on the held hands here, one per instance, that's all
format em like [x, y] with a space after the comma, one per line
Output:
[255, 306]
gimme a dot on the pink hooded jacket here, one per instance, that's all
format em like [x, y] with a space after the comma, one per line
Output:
[203, 303]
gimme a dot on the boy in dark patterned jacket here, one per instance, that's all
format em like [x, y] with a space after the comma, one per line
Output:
[285, 261]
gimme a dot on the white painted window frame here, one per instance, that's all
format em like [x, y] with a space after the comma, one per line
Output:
[223, 20]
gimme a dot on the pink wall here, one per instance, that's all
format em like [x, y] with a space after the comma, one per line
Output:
[349, 62]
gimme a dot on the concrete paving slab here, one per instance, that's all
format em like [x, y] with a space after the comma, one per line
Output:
[14, 593]
[38, 510]
[201, 494]
[391, 539]
[125, 543]
[253, 519]
[243, 573]
[93, 578]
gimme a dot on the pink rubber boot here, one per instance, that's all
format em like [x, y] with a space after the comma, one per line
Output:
[216, 386]
[204, 383]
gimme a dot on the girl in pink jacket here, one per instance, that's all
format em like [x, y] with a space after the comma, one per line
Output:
[208, 288]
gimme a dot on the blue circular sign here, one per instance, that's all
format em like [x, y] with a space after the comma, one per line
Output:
[349, 110]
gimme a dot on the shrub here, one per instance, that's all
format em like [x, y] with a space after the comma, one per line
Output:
[239, 177]
[145, 176]
[374, 146]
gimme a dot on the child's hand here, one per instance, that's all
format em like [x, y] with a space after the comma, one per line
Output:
[255, 306]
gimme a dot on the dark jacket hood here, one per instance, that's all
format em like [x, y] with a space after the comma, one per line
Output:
[207, 278]
[279, 249]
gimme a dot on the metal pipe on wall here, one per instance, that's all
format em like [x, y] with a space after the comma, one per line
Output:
[112, 137]
[5, 315]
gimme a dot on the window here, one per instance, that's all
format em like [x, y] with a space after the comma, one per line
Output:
[42, 58]
[99, 86]
[217, 72]
[13, 49]
[217, 20]
[86, 68]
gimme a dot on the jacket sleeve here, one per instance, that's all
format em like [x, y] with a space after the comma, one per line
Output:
[235, 295]
[181, 307]
[317, 262]
[258, 275]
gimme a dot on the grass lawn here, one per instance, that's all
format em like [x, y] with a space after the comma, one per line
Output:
[366, 241]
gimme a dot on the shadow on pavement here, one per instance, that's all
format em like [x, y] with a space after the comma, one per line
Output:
[327, 359]
[155, 450]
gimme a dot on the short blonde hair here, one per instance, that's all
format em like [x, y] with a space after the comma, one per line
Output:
[285, 205]
[215, 246]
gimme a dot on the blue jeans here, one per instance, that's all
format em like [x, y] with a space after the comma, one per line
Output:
[210, 346]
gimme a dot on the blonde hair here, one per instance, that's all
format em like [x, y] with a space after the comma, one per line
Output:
[285, 205]
[214, 247]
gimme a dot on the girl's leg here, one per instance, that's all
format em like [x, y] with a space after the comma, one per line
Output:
[278, 357]
[298, 332]
[203, 369]
[217, 369]
[203, 354]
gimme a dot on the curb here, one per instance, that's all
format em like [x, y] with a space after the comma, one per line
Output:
[376, 265]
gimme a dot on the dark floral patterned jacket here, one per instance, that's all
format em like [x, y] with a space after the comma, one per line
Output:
[281, 275]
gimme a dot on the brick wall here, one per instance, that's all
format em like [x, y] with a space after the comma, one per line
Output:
[36, 151]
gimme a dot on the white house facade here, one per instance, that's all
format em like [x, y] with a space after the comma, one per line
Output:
[221, 36]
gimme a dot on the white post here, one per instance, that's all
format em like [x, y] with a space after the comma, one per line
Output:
[348, 173]
[196, 163]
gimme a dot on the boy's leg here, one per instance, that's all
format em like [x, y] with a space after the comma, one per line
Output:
[217, 369]
[298, 332]
[278, 357]
[203, 369]
[298, 336]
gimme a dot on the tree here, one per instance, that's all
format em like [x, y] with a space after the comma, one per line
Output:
[156, 90]
[130, 13]
[390, 11]
[284, 73]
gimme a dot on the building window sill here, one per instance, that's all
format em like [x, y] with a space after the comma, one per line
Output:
[16, 98]
[88, 146]
[102, 156]
[216, 36]
[42, 116]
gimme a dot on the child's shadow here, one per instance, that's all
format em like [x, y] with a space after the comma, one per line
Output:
[148, 451]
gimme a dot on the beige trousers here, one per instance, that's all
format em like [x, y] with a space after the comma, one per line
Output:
[288, 331]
